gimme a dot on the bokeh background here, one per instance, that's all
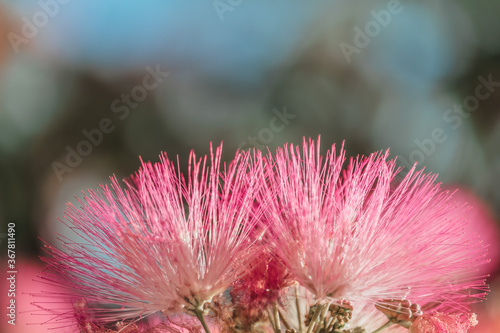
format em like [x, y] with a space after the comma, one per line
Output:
[86, 87]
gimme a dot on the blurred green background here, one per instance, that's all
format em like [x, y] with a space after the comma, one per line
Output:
[88, 86]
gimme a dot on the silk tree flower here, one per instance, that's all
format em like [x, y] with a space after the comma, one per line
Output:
[161, 244]
[254, 297]
[350, 231]
[443, 323]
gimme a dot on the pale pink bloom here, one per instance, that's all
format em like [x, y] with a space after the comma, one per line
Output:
[263, 284]
[262, 288]
[152, 324]
[162, 244]
[25, 315]
[350, 231]
[482, 221]
[488, 313]
[443, 323]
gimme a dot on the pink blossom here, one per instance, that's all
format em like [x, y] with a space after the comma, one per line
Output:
[27, 316]
[443, 323]
[483, 222]
[350, 231]
[261, 288]
[162, 244]
[263, 283]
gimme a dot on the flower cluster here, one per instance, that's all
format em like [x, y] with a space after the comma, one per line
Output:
[293, 241]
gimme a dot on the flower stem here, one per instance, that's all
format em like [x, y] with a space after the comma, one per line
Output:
[331, 322]
[276, 317]
[201, 318]
[297, 304]
[312, 323]
[322, 318]
[383, 327]
[271, 320]
[285, 322]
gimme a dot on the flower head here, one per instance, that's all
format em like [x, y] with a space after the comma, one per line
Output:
[162, 244]
[443, 323]
[245, 305]
[231, 240]
[352, 232]
[263, 284]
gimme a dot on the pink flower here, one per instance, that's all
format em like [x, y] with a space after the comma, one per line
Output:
[261, 288]
[161, 244]
[443, 323]
[352, 232]
[24, 313]
[263, 284]
[483, 222]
